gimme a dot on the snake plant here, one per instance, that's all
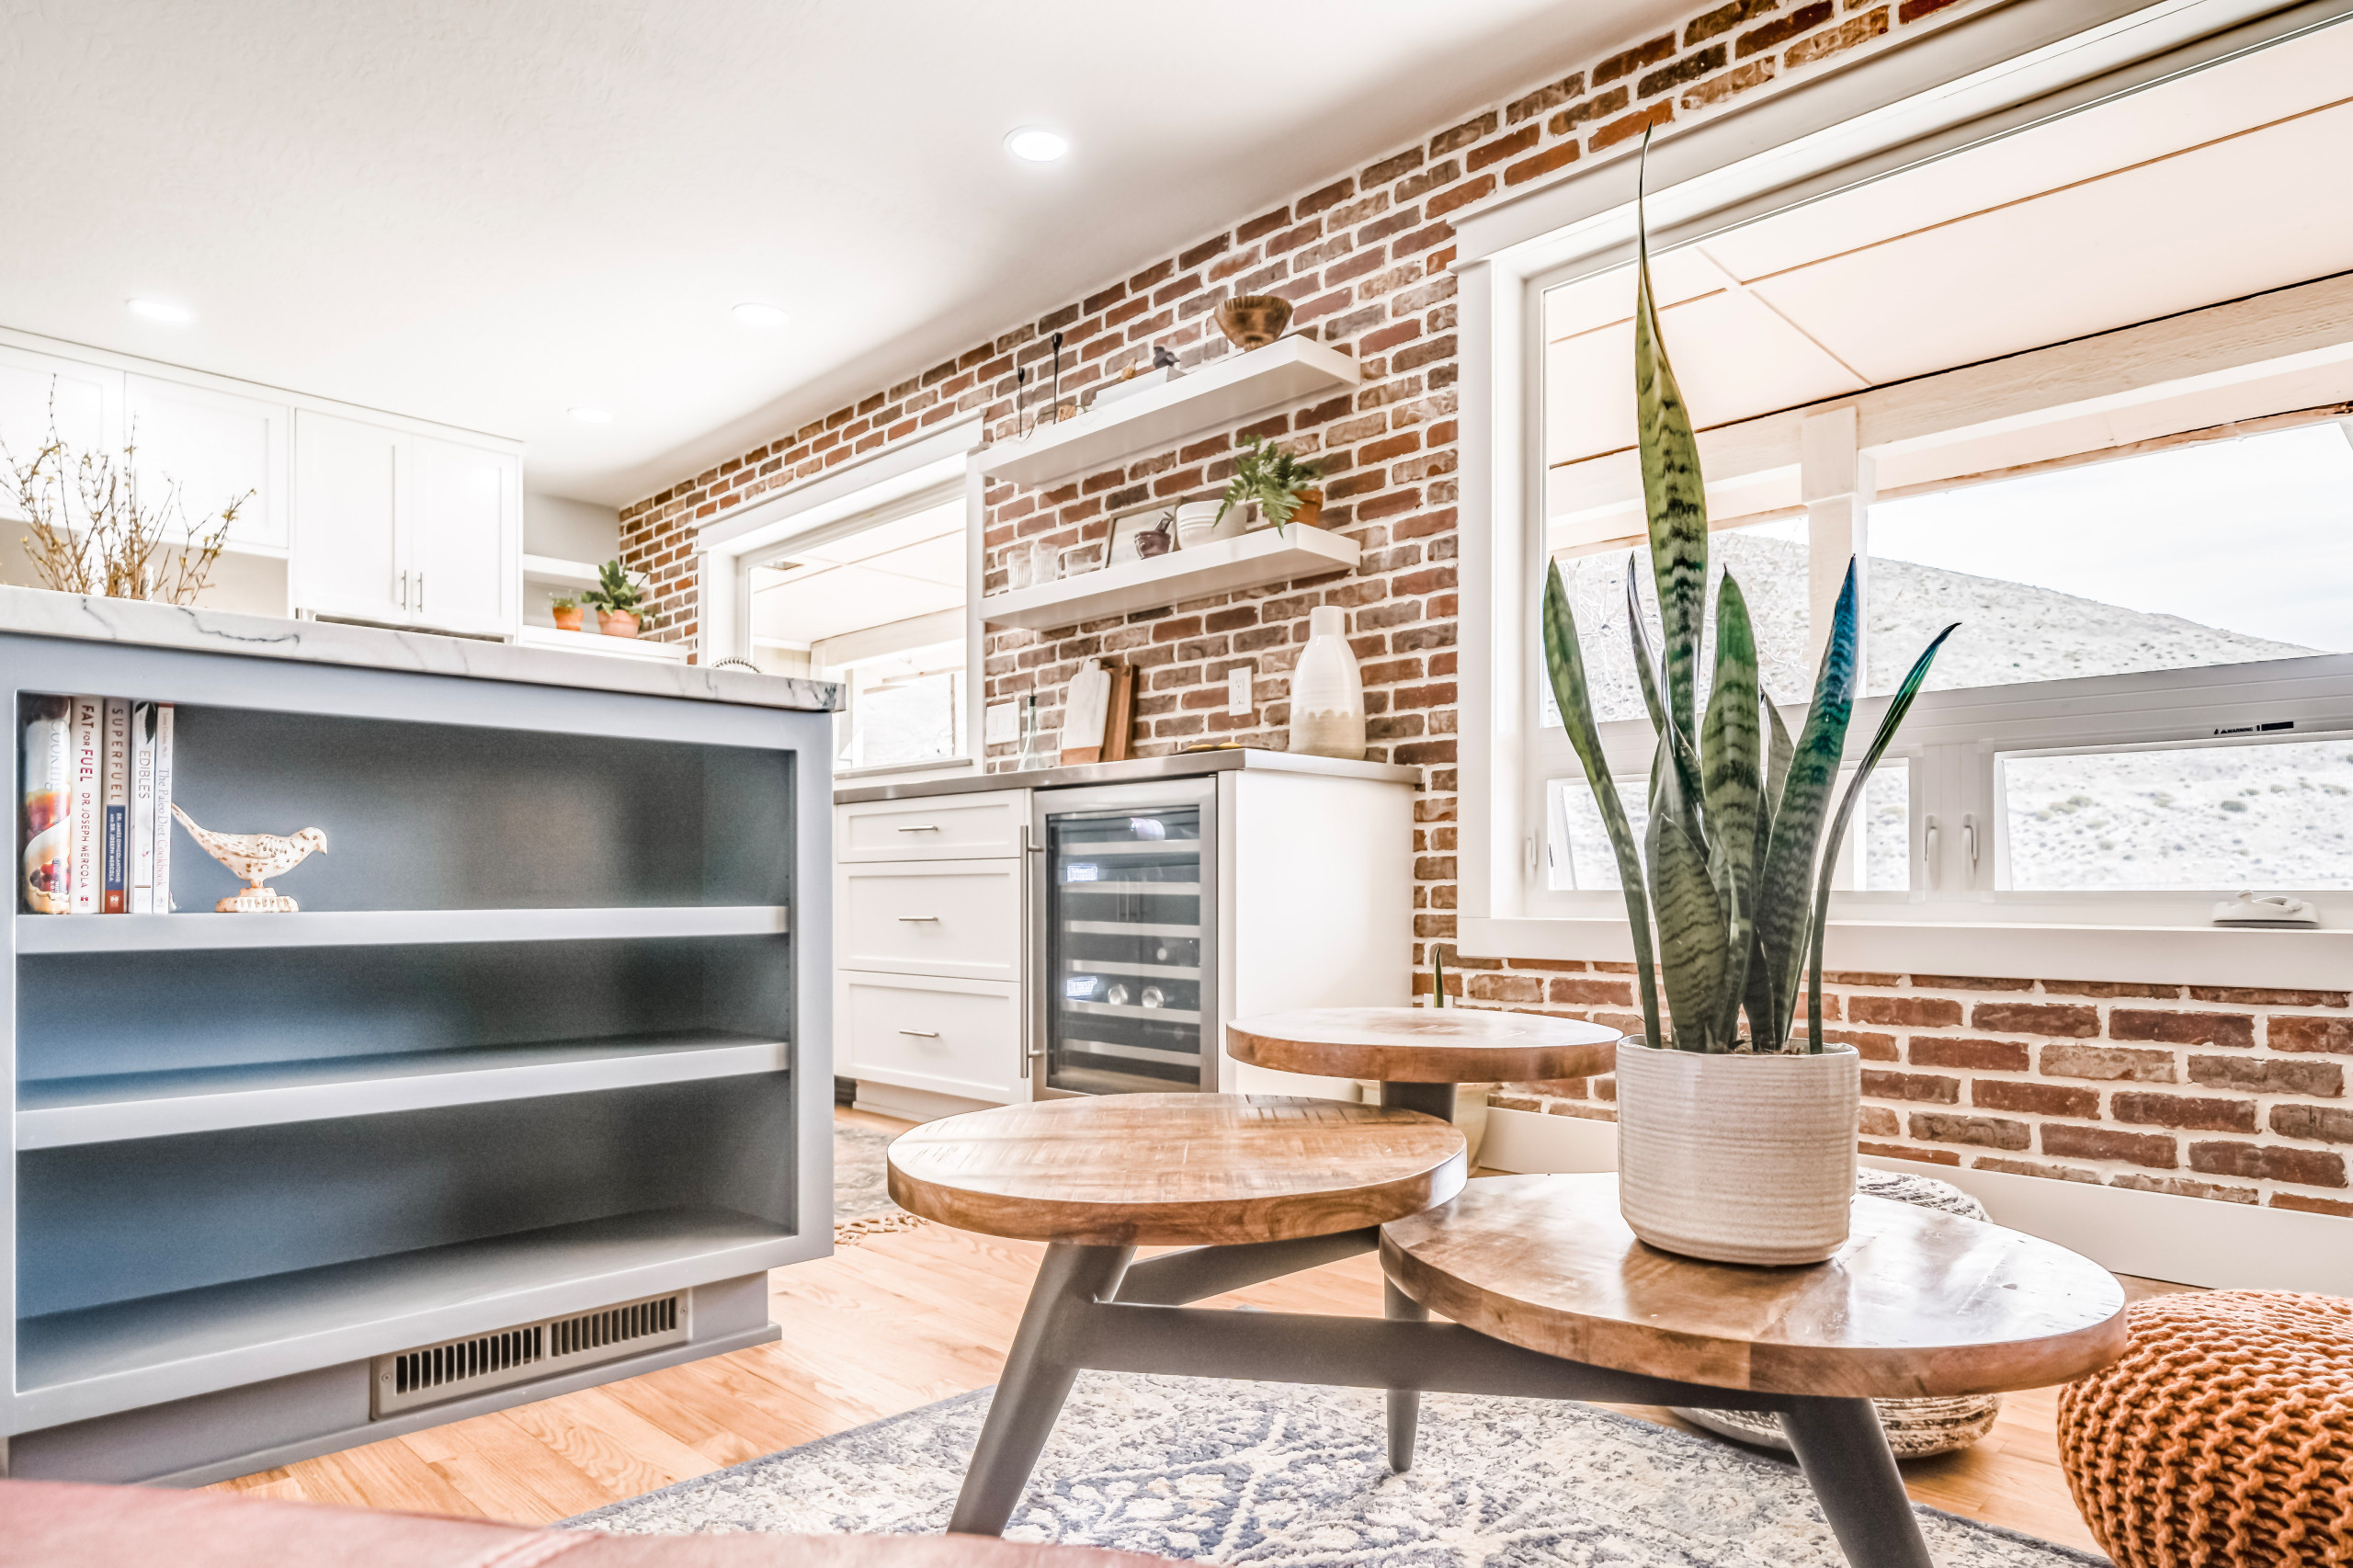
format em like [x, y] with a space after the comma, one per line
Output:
[1729, 892]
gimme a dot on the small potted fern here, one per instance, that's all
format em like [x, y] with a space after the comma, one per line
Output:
[1735, 1144]
[1284, 488]
[619, 603]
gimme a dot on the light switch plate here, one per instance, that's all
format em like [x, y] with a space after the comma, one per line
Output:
[1000, 724]
[1237, 693]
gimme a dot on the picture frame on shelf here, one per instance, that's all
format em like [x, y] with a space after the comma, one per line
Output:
[1127, 526]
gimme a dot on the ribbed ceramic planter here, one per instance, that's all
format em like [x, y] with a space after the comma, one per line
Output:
[1737, 1158]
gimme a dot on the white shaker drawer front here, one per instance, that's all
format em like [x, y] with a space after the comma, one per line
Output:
[952, 1035]
[961, 919]
[943, 828]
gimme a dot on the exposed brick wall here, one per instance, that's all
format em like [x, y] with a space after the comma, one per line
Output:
[2202, 1091]
[2236, 1096]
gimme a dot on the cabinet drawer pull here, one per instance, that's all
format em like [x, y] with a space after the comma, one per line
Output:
[922, 1034]
[920, 827]
[918, 919]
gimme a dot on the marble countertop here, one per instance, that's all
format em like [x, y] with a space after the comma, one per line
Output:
[36, 612]
[1134, 770]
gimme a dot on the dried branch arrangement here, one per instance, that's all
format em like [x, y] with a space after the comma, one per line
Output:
[94, 533]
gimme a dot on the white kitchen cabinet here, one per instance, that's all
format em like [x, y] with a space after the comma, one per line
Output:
[404, 530]
[88, 402]
[950, 1037]
[351, 509]
[216, 447]
[466, 524]
[948, 827]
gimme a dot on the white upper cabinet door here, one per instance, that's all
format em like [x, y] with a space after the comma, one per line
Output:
[87, 404]
[463, 534]
[216, 447]
[350, 509]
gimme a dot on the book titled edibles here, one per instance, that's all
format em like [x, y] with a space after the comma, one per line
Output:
[49, 806]
[142, 851]
[163, 808]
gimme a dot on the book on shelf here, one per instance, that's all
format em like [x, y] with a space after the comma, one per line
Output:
[141, 878]
[117, 847]
[89, 800]
[163, 902]
[96, 812]
[49, 806]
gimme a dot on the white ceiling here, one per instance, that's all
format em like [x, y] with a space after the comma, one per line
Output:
[2211, 188]
[487, 214]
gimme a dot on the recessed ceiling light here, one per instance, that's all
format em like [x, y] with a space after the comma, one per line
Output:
[1035, 143]
[588, 415]
[760, 312]
[162, 311]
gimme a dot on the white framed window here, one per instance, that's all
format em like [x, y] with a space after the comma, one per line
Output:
[876, 601]
[2137, 502]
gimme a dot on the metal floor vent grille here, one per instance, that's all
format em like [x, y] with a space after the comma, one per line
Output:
[455, 1368]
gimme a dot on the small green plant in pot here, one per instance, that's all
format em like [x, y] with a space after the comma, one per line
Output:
[1286, 489]
[1735, 1143]
[619, 603]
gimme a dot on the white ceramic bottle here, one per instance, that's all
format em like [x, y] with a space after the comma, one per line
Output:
[1326, 693]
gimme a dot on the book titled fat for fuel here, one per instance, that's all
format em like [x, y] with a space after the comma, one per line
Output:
[97, 774]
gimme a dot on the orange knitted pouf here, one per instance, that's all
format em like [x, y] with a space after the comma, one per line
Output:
[2224, 1439]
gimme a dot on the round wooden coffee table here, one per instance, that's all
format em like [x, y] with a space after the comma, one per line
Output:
[1264, 1185]
[1174, 1169]
[1918, 1303]
[1417, 1054]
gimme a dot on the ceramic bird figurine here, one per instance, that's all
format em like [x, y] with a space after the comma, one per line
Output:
[257, 858]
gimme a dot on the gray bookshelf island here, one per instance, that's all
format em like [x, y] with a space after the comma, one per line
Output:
[528, 1096]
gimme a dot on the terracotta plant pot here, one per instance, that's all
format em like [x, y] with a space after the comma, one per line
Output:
[1311, 506]
[1253, 321]
[1738, 1158]
[617, 623]
[568, 620]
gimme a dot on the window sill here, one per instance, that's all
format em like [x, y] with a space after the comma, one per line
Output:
[2177, 954]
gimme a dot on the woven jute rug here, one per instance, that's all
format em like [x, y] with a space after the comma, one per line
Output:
[1290, 1476]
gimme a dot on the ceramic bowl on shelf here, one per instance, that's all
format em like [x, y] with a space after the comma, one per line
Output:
[1197, 523]
[1253, 321]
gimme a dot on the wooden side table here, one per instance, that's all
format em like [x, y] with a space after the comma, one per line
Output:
[1418, 1055]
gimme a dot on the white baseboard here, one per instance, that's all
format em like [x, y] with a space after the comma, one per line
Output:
[2192, 1241]
[911, 1104]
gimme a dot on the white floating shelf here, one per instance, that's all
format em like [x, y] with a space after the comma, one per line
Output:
[349, 928]
[597, 642]
[1221, 566]
[74, 1365]
[555, 569]
[1228, 389]
[57, 1112]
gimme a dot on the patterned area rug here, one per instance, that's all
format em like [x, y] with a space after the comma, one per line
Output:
[1290, 1476]
[862, 1205]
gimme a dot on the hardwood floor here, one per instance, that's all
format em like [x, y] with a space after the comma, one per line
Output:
[900, 1320]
